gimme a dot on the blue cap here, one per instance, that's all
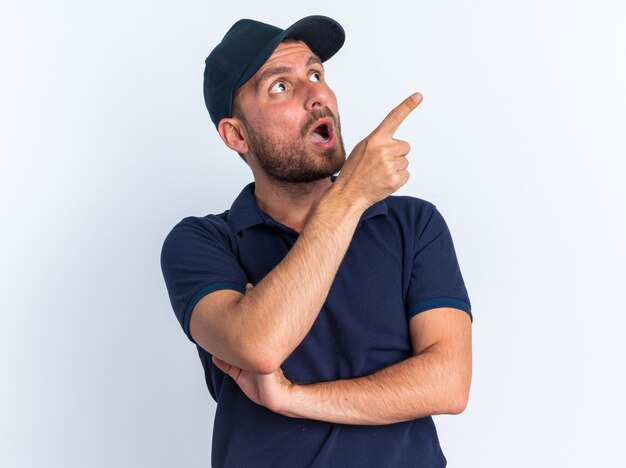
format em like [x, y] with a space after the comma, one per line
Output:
[247, 46]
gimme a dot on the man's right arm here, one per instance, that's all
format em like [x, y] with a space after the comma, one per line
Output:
[259, 330]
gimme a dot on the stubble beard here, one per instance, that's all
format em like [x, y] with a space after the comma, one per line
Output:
[297, 161]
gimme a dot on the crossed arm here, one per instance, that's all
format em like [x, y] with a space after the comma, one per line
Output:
[435, 380]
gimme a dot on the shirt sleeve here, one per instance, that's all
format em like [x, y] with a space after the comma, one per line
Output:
[198, 257]
[436, 279]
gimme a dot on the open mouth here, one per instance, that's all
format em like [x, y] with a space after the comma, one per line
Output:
[322, 133]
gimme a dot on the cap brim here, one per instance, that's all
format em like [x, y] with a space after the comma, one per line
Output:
[323, 35]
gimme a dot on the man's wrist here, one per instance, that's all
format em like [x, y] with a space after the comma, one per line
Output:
[292, 405]
[344, 201]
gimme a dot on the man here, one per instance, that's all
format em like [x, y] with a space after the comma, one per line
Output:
[330, 317]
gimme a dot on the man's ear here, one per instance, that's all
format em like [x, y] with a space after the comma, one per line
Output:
[232, 134]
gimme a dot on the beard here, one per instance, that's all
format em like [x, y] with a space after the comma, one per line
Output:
[296, 161]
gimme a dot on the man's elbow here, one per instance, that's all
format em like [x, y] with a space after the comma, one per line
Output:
[457, 382]
[457, 398]
[458, 403]
[264, 363]
[250, 355]
[261, 358]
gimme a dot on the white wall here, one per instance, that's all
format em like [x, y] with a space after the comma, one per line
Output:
[106, 144]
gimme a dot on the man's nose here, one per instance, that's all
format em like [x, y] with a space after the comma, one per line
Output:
[316, 95]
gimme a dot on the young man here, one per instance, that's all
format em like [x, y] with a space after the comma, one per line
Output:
[330, 317]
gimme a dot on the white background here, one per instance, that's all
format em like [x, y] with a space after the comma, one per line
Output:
[106, 144]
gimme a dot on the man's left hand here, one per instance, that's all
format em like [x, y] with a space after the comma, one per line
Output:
[269, 390]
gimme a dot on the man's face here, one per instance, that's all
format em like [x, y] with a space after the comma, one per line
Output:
[290, 117]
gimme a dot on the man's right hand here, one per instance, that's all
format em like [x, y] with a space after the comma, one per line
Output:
[377, 166]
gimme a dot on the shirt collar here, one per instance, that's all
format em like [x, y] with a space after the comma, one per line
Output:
[245, 212]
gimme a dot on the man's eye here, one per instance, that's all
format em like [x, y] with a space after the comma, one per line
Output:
[315, 76]
[278, 87]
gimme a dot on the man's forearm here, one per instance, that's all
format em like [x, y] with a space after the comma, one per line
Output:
[280, 310]
[423, 385]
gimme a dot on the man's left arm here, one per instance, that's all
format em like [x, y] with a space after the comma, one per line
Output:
[435, 380]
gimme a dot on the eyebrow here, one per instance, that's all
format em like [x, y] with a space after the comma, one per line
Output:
[280, 70]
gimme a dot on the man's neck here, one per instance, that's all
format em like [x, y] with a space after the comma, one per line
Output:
[289, 204]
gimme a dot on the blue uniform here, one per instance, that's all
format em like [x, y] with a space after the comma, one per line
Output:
[401, 262]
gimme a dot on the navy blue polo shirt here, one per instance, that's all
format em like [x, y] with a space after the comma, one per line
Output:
[401, 262]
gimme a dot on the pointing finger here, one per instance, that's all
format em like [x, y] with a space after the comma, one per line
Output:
[394, 119]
